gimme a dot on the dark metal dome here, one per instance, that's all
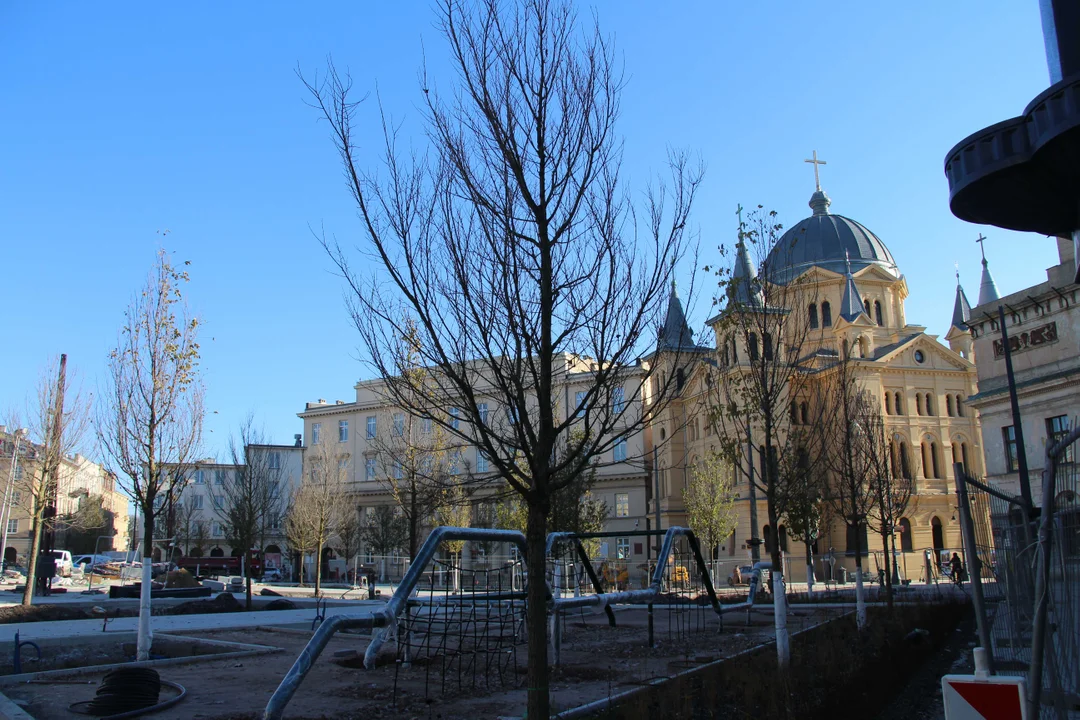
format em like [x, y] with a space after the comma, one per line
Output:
[826, 240]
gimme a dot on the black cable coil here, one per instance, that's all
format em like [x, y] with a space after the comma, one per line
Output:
[123, 691]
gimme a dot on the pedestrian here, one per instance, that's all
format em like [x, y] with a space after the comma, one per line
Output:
[957, 567]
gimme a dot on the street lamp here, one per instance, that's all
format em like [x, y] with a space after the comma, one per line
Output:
[5, 510]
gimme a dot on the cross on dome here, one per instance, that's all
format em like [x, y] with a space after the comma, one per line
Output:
[817, 177]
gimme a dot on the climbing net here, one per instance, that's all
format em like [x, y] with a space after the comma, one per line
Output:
[465, 628]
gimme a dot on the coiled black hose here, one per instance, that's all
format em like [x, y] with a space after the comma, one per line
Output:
[128, 693]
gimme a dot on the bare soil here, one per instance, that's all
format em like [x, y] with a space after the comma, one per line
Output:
[597, 660]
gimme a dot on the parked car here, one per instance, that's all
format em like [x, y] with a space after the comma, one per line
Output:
[273, 575]
[89, 561]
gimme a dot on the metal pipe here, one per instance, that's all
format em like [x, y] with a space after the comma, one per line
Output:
[971, 552]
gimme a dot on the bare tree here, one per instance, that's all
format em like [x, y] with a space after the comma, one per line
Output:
[248, 498]
[349, 530]
[411, 456]
[57, 421]
[455, 510]
[808, 513]
[185, 524]
[893, 492]
[300, 534]
[512, 245]
[710, 502]
[151, 411]
[853, 452]
[314, 514]
[764, 368]
[384, 531]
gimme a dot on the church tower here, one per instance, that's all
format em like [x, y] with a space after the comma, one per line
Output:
[959, 335]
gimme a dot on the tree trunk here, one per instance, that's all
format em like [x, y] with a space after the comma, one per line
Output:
[318, 567]
[536, 613]
[809, 569]
[888, 566]
[247, 576]
[145, 636]
[776, 580]
[32, 559]
[860, 593]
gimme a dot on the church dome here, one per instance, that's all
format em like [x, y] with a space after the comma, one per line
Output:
[827, 240]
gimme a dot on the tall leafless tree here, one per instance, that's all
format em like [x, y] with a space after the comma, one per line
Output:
[893, 492]
[57, 418]
[765, 367]
[249, 495]
[151, 411]
[510, 241]
[854, 451]
[315, 510]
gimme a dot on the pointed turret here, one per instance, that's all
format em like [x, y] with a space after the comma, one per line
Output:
[988, 291]
[675, 334]
[745, 289]
[961, 308]
[851, 306]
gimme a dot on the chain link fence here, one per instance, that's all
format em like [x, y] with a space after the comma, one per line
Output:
[1025, 579]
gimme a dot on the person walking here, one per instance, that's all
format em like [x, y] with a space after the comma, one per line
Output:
[957, 567]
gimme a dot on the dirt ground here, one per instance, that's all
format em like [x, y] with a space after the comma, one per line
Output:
[597, 660]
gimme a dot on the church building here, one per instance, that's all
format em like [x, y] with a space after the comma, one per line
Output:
[839, 282]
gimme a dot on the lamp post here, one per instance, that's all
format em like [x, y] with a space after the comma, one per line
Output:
[5, 510]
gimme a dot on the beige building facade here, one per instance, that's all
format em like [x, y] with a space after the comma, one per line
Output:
[1043, 325]
[849, 293]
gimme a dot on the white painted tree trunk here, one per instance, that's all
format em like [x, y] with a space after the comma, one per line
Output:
[809, 577]
[783, 643]
[860, 600]
[145, 637]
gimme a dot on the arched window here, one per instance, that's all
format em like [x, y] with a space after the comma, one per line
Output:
[866, 304]
[864, 346]
[783, 538]
[734, 350]
[964, 456]
[877, 313]
[905, 535]
[948, 405]
[804, 411]
[888, 403]
[844, 351]
[767, 337]
[752, 343]
[826, 314]
[918, 404]
[959, 406]
[938, 537]
[955, 452]
[813, 315]
[794, 412]
[934, 452]
[767, 536]
[929, 404]
[899, 404]
[927, 463]
[905, 462]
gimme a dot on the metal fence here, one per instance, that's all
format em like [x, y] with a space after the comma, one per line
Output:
[1024, 565]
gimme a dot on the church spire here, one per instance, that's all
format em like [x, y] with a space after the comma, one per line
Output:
[852, 305]
[961, 308]
[745, 289]
[675, 334]
[988, 291]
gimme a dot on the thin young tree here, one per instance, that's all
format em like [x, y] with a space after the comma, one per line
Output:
[807, 513]
[348, 532]
[384, 533]
[57, 420]
[893, 492]
[300, 534]
[186, 521]
[151, 410]
[315, 510]
[247, 497]
[764, 367]
[455, 510]
[709, 499]
[853, 453]
[513, 246]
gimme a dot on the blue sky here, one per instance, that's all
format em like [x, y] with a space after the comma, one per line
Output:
[122, 120]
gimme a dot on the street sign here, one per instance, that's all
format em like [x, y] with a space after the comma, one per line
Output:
[968, 697]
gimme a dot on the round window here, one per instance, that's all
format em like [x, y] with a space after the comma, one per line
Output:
[919, 357]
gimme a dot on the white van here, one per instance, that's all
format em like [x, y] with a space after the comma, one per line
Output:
[63, 562]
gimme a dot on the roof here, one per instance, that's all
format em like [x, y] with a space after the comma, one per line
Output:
[824, 240]
[961, 308]
[744, 290]
[851, 305]
[675, 334]
[988, 291]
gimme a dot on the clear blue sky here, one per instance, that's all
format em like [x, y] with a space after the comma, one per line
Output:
[120, 120]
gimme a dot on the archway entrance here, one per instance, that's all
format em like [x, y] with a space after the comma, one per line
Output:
[10, 556]
[938, 538]
[217, 552]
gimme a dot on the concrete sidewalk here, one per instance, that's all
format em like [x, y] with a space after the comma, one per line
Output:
[179, 623]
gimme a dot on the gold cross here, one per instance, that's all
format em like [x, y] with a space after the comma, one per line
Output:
[815, 162]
